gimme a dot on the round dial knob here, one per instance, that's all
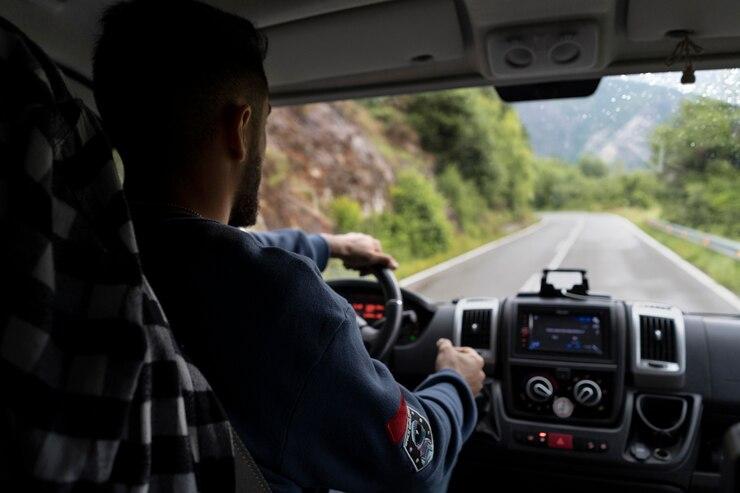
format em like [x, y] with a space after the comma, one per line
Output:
[587, 393]
[539, 389]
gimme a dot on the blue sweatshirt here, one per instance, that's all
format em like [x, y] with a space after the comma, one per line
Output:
[284, 354]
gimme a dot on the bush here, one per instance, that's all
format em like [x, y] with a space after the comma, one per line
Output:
[464, 199]
[417, 225]
[346, 213]
[421, 210]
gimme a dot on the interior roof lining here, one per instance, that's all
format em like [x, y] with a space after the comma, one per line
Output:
[622, 55]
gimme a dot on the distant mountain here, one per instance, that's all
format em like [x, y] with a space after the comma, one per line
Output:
[614, 124]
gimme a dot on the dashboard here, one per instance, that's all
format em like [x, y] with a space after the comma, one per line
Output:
[367, 300]
[585, 390]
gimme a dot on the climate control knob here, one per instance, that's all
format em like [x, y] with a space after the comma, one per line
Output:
[587, 393]
[539, 389]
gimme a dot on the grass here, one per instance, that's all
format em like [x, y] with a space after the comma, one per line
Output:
[462, 243]
[723, 269]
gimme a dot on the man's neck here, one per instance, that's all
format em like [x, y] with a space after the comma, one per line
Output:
[208, 204]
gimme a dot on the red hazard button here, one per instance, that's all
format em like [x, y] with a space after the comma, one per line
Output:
[560, 440]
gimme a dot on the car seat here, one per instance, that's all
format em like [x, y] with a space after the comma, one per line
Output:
[95, 392]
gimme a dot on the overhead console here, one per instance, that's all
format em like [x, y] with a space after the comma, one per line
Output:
[560, 47]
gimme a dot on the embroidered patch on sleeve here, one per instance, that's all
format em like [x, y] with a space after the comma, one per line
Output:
[418, 442]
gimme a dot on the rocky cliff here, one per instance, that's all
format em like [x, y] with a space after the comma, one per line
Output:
[322, 151]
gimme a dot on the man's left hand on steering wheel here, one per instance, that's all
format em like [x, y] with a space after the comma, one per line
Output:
[359, 251]
[364, 253]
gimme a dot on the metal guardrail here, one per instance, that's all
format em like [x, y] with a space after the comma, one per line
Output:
[724, 246]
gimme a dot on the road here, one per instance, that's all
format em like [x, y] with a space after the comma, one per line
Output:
[620, 259]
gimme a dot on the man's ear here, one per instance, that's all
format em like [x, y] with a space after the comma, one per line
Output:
[237, 130]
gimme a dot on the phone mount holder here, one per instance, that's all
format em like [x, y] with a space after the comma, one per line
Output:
[555, 283]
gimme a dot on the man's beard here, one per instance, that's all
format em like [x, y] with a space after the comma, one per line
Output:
[246, 205]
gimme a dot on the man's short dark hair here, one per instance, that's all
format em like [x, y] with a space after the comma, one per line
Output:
[161, 70]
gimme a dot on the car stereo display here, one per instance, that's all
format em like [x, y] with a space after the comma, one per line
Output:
[569, 333]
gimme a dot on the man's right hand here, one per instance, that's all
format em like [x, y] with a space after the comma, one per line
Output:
[464, 360]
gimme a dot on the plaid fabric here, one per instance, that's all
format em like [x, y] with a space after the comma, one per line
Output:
[94, 393]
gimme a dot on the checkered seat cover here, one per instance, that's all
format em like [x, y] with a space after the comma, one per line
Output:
[94, 392]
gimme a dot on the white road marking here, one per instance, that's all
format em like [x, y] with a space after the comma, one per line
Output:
[533, 283]
[432, 271]
[690, 269]
[564, 246]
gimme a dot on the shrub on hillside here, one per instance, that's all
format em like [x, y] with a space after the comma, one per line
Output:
[464, 199]
[346, 214]
[416, 226]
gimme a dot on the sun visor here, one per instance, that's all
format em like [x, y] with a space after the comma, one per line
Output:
[375, 38]
[650, 21]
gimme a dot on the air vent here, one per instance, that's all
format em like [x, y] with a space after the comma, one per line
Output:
[476, 329]
[658, 339]
[476, 325]
[659, 342]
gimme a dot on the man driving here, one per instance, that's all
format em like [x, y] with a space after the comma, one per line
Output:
[183, 94]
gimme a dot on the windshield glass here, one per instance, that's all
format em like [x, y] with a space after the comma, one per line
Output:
[638, 184]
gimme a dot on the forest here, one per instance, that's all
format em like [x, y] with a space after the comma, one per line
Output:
[484, 174]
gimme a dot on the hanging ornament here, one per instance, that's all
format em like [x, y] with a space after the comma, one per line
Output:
[684, 52]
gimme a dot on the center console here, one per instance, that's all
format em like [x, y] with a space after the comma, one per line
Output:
[564, 361]
[587, 377]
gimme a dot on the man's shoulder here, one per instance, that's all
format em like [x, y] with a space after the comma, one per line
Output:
[247, 260]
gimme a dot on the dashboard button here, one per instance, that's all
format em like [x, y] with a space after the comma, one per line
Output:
[560, 441]
[562, 373]
[562, 407]
[640, 452]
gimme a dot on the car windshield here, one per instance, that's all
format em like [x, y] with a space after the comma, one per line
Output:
[638, 184]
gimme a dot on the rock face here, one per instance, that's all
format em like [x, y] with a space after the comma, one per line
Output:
[319, 152]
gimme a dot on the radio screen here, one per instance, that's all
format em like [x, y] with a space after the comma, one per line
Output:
[553, 333]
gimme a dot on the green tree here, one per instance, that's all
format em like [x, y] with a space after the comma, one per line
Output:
[511, 149]
[481, 136]
[593, 166]
[697, 154]
[455, 126]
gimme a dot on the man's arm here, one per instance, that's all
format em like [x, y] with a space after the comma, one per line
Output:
[356, 429]
[314, 247]
[357, 250]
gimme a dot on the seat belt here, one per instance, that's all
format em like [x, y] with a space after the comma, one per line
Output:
[248, 477]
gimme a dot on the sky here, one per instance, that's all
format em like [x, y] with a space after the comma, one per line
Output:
[718, 84]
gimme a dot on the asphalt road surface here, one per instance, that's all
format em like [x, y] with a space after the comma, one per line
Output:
[620, 259]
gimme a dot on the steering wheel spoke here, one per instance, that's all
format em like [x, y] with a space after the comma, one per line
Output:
[379, 336]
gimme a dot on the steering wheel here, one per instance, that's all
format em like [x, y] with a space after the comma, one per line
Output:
[380, 336]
